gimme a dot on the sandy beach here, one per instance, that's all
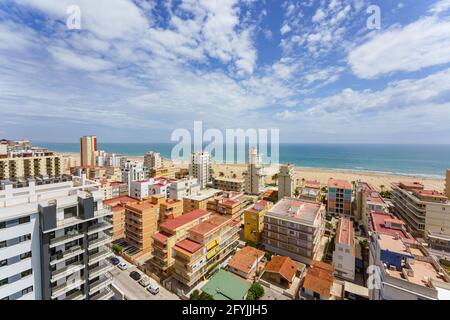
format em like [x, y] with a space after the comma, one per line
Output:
[319, 174]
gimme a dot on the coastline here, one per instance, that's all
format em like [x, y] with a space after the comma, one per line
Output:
[377, 179]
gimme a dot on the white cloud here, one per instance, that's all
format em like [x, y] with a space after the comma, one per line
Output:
[418, 45]
[440, 6]
[319, 15]
[285, 29]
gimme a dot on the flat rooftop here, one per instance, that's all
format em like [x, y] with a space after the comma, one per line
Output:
[341, 184]
[423, 271]
[345, 232]
[203, 195]
[304, 210]
[213, 223]
[393, 244]
[377, 224]
[179, 221]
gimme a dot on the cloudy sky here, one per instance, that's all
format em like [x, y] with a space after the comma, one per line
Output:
[137, 70]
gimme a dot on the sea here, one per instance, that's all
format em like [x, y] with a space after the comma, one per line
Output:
[407, 159]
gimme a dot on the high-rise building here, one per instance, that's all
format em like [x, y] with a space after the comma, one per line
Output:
[153, 160]
[423, 210]
[88, 150]
[53, 238]
[200, 168]
[339, 197]
[134, 171]
[255, 174]
[293, 228]
[367, 200]
[18, 163]
[286, 181]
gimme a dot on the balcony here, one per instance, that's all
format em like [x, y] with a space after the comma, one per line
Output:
[77, 295]
[105, 294]
[60, 257]
[66, 271]
[96, 257]
[99, 227]
[65, 287]
[104, 240]
[107, 211]
[97, 271]
[101, 283]
[68, 237]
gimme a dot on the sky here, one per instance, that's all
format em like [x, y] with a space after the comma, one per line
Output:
[136, 70]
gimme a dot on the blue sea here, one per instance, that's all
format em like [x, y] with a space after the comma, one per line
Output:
[418, 160]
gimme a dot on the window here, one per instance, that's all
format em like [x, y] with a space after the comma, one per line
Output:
[2, 244]
[2, 225]
[3, 263]
[25, 255]
[27, 290]
[3, 282]
[26, 273]
[26, 237]
[24, 220]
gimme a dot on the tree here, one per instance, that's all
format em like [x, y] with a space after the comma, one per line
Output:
[275, 177]
[297, 192]
[234, 176]
[221, 174]
[116, 248]
[195, 295]
[382, 187]
[256, 291]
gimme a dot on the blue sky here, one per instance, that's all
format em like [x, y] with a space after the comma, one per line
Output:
[139, 69]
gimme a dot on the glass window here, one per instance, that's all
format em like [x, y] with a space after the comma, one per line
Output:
[24, 220]
[3, 263]
[27, 290]
[26, 273]
[2, 225]
[25, 255]
[2, 244]
[3, 282]
[26, 237]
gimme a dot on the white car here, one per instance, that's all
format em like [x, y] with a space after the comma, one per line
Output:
[122, 266]
[145, 281]
[153, 288]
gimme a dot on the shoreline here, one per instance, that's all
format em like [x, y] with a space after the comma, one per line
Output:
[375, 178]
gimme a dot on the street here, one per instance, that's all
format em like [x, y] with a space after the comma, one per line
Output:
[133, 290]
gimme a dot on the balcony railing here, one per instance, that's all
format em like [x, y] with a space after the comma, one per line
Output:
[96, 257]
[101, 283]
[77, 295]
[97, 271]
[65, 287]
[99, 227]
[69, 236]
[70, 253]
[66, 271]
[105, 239]
[105, 294]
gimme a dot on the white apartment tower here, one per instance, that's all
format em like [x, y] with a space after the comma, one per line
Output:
[134, 171]
[153, 160]
[286, 181]
[200, 168]
[53, 240]
[255, 175]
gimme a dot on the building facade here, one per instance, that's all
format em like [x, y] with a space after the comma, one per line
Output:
[200, 168]
[344, 250]
[229, 184]
[88, 150]
[254, 220]
[153, 160]
[286, 181]
[183, 188]
[339, 198]
[255, 174]
[293, 228]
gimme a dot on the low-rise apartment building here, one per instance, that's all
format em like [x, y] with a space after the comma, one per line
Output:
[254, 220]
[171, 232]
[164, 172]
[423, 210]
[293, 228]
[404, 271]
[344, 250]
[185, 187]
[199, 200]
[367, 200]
[311, 191]
[229, 184]
[118, 219]
[229, 203]
[339, 198]
[245, 262]
[54, 239]
[208, 244]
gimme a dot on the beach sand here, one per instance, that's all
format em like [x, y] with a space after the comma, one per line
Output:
[321, 175]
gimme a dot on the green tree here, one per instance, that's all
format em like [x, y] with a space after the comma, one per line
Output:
[256, 291]
[117, 249]
[221, 174]
[234, 176]
[250, 296]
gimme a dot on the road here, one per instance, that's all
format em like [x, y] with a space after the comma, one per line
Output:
[133, 290]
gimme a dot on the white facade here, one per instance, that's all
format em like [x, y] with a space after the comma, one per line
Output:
[200, 168]
[344, 250]
[255, 175]
[105, 159]
[183, 188]
[133, 171]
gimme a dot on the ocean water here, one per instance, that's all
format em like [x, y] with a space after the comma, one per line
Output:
[418, 160]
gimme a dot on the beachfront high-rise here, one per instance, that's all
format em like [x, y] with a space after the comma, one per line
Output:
[20, 161]
[88, 150]
[286, 181]
[153, 160]
[447, 184]
[425, 211]
[339, 197]
[53, 240]
[255, 174]
[200, 168]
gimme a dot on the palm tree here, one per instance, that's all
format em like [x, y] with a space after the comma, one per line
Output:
[234, 176]
[275, 177]
[382, 188]
[221, 174]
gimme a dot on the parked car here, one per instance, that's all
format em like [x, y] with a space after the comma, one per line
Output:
[145, 281]
[153, 288]
[115, 261]
[122, 266]
[135, 275]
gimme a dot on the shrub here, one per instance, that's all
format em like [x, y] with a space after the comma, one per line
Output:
[255, 292]
[195, 295]
[250, 296]
[268, 256]
[116, 248]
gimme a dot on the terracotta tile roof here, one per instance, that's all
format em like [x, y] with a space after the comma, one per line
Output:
[160, 236]
[319, 278]
[209, 225]
[245, 259]
[183, 219]
[345, 232]
[117, 200]
[282, 265]
[189, 246]
[341, 184]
